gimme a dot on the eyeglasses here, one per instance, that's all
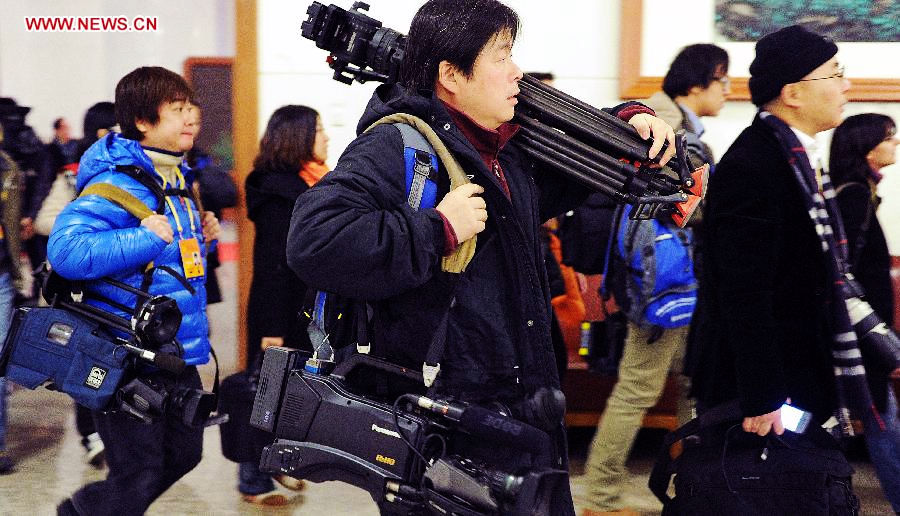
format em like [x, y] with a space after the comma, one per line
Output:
[726, 82]
[839, 74]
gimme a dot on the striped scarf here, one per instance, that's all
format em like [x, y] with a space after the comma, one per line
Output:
[849, 373]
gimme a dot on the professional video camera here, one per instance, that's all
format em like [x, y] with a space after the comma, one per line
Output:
[95, 356]
[561, 132]
[344, 426]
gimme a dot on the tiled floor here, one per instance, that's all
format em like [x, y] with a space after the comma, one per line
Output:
[43, 440]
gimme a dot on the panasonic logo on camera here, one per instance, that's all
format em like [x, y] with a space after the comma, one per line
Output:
[95, 377]
[385, 431]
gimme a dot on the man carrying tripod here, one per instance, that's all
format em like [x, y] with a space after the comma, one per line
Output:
[354, 233]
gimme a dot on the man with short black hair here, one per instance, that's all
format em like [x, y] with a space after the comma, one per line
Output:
[695, 86]
[779, 331]
[354, 233]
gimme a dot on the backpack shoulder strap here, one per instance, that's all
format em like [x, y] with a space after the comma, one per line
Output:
[142, 177]
[459, 260]
[418, 173]
[421, 168]
[120, 197]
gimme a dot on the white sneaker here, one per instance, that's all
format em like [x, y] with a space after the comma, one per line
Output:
[95, 451]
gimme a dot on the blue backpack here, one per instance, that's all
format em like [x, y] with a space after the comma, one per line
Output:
[660, 288]
[335, 321]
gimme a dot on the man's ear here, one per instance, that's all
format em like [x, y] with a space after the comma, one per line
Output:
[449, 76]
[792, 94]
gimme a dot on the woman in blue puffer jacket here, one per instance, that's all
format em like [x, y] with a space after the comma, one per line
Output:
[94, 238]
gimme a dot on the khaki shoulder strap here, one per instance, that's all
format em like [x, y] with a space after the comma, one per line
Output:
[113, 193]
[457, 261]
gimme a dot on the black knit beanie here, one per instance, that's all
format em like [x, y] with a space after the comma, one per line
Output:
[785, 56]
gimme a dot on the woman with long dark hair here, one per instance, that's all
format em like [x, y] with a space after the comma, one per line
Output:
[860, 148]
[291, 159]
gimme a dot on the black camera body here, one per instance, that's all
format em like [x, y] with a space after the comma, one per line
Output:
[333, 427]
[326, 432]
[354, 38]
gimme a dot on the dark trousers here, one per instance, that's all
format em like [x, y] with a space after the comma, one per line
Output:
[36, 248]
[144, 459]
[84, 421]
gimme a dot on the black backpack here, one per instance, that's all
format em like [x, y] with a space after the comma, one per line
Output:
[344, 321]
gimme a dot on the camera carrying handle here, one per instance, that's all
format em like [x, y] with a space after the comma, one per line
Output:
[359, 360]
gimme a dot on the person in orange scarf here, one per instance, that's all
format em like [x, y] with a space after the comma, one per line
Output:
[291, 159]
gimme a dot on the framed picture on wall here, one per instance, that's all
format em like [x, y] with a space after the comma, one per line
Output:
[653, 31]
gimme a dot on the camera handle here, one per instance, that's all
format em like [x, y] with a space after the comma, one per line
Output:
[358, 360]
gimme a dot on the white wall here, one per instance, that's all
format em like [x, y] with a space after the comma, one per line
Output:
[577, 40]
[64, 73]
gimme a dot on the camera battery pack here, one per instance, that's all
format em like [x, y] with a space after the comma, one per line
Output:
[277, 365]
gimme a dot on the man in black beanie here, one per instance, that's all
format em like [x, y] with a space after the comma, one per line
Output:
[769, 267]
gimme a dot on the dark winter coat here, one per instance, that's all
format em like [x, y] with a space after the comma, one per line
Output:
[872, 267]
[217, 192]
[355, 235]
[276, 293]
[765, 286]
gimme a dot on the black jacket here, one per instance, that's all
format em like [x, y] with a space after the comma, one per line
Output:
[765, 287]
[872, 268]
[355, 235]
[276, 293]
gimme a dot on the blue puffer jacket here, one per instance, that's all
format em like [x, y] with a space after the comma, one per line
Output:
[94, 238]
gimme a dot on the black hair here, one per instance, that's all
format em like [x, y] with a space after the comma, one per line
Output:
[101, 115]
[695, 65]
[57, 124]
[454, 31]
[852, 141]
[289, 139]
[141, 93]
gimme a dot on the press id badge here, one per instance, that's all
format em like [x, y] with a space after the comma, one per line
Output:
[191, 258]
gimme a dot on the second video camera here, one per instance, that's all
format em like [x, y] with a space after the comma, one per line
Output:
[336, 427]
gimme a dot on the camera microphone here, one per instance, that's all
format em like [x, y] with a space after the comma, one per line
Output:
[489, 425]
[452, 410]
[165, 361]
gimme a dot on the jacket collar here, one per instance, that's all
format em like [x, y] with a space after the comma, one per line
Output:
[487, 142]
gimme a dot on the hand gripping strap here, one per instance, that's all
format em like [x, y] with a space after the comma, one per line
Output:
[457, 261]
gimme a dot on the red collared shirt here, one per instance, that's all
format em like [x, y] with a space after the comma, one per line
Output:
[488, 142]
